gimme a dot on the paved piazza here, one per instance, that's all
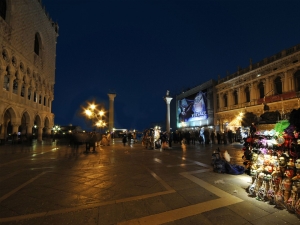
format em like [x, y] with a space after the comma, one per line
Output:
[52, 183]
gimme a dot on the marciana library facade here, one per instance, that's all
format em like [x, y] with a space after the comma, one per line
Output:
[265, 92]
[27, 68]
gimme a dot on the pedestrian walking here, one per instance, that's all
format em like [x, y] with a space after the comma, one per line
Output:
[108, 137]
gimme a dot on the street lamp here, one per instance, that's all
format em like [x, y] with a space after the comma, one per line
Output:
[55, 130]
[92, 112]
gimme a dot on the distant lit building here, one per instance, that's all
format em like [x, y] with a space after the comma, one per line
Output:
[268, 90]
[70, 129]
[27, 68]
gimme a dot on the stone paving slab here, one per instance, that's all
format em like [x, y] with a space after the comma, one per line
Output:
[49, 183]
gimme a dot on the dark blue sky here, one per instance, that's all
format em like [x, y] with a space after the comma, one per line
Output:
[140, 49]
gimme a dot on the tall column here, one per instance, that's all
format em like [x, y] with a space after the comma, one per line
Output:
[2, 74]
[15, 127]
[111, 111]
[168, 100]
[286, 83]
[252, 90]
[3, 131]
[29, 129]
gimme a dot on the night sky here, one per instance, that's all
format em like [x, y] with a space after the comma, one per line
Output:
[140, 49]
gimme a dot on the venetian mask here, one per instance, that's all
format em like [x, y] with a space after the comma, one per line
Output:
[297, 163]
[282, 161]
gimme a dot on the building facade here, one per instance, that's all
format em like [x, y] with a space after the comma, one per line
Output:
[28, 38]
[271, 85]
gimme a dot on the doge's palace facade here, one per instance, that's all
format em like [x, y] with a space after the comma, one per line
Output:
[273, 82]
[27, 68]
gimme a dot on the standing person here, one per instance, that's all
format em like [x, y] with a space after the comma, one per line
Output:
[193, 137]
[187, 135]
[206, 136]
[229, 136]
[212, 136]
[252, 129]
[225, 137]
[219, 137]
[170, 139]
[201, 136]
[129, 137]
[134, 137]
[108, 137]
[124, 139]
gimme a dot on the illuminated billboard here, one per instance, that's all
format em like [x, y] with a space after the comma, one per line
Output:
[193, 108]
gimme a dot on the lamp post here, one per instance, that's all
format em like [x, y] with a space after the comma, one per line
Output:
[93, 113]
[56, 130]
[265, 106]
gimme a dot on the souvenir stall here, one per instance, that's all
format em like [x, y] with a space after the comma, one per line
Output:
[272, 159]
[240, 130]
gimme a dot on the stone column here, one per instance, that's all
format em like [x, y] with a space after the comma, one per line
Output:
[3, 131]
[11, 82]
[252, 90]
[230, 100]
[286, 83]
[15, 127]
[168, 100]
[48, 131]
[20, 82]
[40, 134]
[29, 129]
[50, 103]
[2, 74]
[111, 111]
[240, 95]
[267, 86]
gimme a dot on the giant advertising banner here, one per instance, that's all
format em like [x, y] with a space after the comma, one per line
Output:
[193, 107]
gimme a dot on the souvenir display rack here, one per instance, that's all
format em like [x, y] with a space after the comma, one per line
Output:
[272, 159]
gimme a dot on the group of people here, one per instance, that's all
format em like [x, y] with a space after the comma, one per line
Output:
[202, 136]
[129, 138]
[157, 139]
